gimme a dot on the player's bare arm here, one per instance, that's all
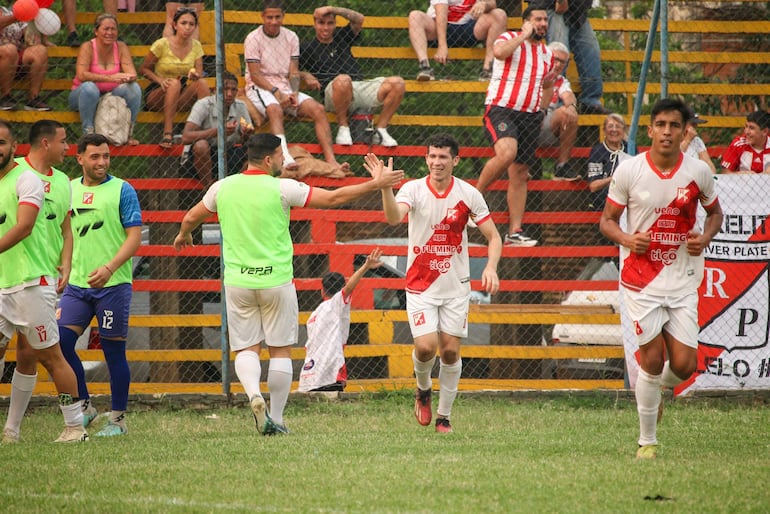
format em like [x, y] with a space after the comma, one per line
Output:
[192, 220]
[489, 279]
[609, 225]
[101, 275]
[697, 242]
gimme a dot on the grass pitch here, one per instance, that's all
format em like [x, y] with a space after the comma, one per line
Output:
[559, 454]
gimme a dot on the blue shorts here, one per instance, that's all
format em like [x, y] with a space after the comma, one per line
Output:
[110, 305]
[459, 36]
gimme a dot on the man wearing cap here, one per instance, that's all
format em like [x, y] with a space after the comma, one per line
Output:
[693, 145]
[750, 152]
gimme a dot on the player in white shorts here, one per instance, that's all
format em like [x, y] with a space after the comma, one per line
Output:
[438, 278]
[661, 252]
[253, 208]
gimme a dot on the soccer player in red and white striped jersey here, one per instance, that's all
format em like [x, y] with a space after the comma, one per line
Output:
[661, 250]
[522, 76]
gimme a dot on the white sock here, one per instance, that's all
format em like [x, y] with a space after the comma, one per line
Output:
[422, 372]
[647, 403]
[279, 384]
[73, 414]
[21, 391]
[287, 158]
[249, 370]
[668, 378]
[449, 379]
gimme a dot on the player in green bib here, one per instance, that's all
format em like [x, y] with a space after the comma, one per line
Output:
[107, 231]
[48, 146]
[27, 282]
[253, 208]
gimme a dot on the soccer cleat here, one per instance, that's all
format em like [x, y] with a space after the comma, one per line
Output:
[36, 104]
[425, 74]
[112, 429]
[74, 434]
[273, 428]
[443, 426]
[386, 139]
[648, 451]
[422, 407]
[7, 103]
[343, 136]
[564, 171]
[259, 409]
[89, 415]
[9, 436]
[518, 239]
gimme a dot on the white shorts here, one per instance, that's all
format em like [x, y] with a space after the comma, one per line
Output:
[650, 315]
[446, 315]
[256, 315]
[364, 95]
[30, 311]
[262, 98]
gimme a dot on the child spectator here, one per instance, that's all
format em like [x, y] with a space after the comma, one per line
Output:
[328, 329]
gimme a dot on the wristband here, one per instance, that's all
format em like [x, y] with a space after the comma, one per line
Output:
[571, 105]
[274, 90]
[108, 269]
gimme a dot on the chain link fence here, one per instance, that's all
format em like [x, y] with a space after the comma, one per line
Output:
[718, 63]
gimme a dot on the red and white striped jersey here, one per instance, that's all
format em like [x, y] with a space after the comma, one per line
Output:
[458, 11]
[665, 205]
[517, 82]
[437, 257]
[741, 156]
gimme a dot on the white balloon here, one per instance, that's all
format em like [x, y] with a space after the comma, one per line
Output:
[47, 22]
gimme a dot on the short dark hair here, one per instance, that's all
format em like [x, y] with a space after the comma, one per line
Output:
[332, 283]
[7, 125]
[671, 104]
[534, 5]
[272, 4]
[93, 139]
[761, 118]
[226, 75]
[260, 146]
[41, 129]
[443, 140]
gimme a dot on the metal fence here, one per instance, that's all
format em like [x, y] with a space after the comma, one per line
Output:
[718, 62]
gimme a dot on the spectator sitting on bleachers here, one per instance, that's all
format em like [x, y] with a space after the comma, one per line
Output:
[455, 23]
[171, 9]
[328, 58]
[604, 160]
[175, 86]
[750, 152]
[104, 65]
[560, 125]
[22, 52]
[693, 145]
[200, 132]
[272, 63]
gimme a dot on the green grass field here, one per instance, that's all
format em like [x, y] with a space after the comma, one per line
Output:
[556, 454]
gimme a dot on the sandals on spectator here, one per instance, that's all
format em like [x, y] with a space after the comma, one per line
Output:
[168, 140]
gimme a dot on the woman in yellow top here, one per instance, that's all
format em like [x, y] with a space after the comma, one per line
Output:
[174, 65]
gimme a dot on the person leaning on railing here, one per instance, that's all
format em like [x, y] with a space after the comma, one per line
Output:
[104, 65]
